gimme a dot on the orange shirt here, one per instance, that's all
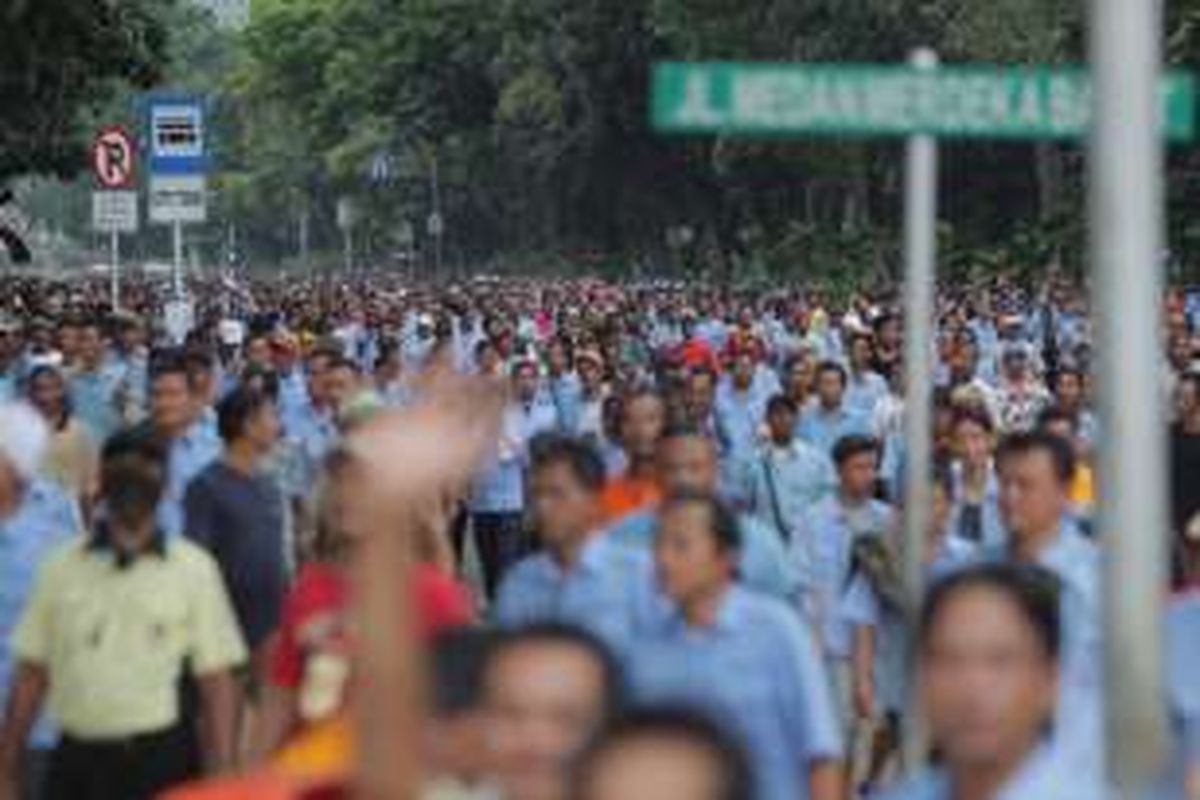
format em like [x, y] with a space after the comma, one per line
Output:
[625, 495]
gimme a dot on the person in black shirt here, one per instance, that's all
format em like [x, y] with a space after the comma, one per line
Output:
[1185, 452]
[235, 511]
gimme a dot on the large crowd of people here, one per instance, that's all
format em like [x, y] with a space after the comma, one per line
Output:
[648, 534]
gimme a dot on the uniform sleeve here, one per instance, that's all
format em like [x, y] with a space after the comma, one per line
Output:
[807, 705]
[216, 640]
[509, 610]
[764, 563]
[32, 637]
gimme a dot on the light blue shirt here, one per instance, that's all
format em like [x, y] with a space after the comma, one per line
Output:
[45, 518]
[762, 566]
[500, 487]
[992, 532]
[758, 670]
[94, 399]
[611, 591]
[741, 414]
[1043, 776]
[311, 435]
[188, 456]
[822, 551]
[1183, 690]
[566, 393]
[782, 482]
[822, 429]
[863, 392]
[293, 401]
[8, 386]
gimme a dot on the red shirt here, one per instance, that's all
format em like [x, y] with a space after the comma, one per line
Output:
[314, 615]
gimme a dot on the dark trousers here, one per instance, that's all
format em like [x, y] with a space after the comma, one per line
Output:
[502, 541]
[136, 768]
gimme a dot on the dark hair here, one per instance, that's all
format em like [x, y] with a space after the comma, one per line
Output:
[975, 414]
[198, 358]
[684, 430]
[1052, 414]
[170, 362]
[559, 634]
[681, 725]
[1032, 590]
[943, 476]
[1067, 369]
[457, 660]
[725, 528]
[268, 377]
[831, 366]
[781, 402]
[553, 449]
[853, 445]
[1061, 454]
[140, 442]
[236, 410]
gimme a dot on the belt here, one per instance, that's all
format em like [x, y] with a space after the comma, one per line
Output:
[121, 743]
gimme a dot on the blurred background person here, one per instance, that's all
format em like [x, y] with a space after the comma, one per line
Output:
[72, 454]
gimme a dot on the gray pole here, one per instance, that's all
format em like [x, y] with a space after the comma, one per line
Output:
[1126, 199]
[177, 263]
[114, 269]
[920, 258]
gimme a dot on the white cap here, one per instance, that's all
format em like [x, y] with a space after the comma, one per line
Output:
[23, 438]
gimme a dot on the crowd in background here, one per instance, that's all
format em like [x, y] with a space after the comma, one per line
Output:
[674, 572]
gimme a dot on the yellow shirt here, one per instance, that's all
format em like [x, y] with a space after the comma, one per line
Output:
[113, 641]
[1083, 491]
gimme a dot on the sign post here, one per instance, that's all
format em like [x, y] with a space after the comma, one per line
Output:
[178, 162]
[1127, 111]
[114, 204]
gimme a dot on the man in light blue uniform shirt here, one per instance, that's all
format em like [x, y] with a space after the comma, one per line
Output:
[497, 501]
[688, 462]
[583, 576]
[823, 548]
[864, 386]
[828, 420]
[1035, 471]
[788, 476]
[94, 385]
[175, 416]
[35, 516]
[741, 405]
[745, 658]
[989, 648]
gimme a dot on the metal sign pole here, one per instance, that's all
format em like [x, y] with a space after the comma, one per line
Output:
[920, 257]
[114, 268]
[1126, 198]
[177, 265]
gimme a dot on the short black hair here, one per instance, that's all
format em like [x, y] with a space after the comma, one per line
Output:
[1033, 590]
[974, 414]
[781, 402]
[267, 378]
[139, 442]
[170, 362]
[553, 449]
[853, 445]
[678, 724]
[457, 661]
[834, 367]
[726, 529]
[565, 635]
[1060, 451]
[1052, 414]
[236, 409]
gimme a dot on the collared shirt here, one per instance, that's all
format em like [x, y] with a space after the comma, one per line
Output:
[822, 551]
[46, 518]
[782, 482]
[114, 640]
[311, 435]
[189, 454]
[611, 591]
[1043, 775]
[757, 669]
[864, 390]
[822, 429]
[500, 486]
[762, 566]
[741, 414]
[981, 522]
[94, 399]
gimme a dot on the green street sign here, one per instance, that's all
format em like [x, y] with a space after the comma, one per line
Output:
[878, 100]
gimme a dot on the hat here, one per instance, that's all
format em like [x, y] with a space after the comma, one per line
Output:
[23, 438]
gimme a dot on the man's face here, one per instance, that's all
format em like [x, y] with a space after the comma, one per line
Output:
[525, 383]
[701, 395]
[645, 418]
[830, 388]
[858, 474]
[91, 345]
[1180, 352]
[131, 487]
[860, 353]
[543, 702]
[48, 394]
[743, 371]
[973, 442]
[782, 424]
[8, 345]
[1186, 400]
[1069, 390]
[171, 402]
[590, 375]
[689, 463]
[688, 562]
[68, 341]
[1032, 500]
[563, 509]
[340, 383]
[258, 352]
[648, 769]
[800, 377]
[988, 687]
[263, 428]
